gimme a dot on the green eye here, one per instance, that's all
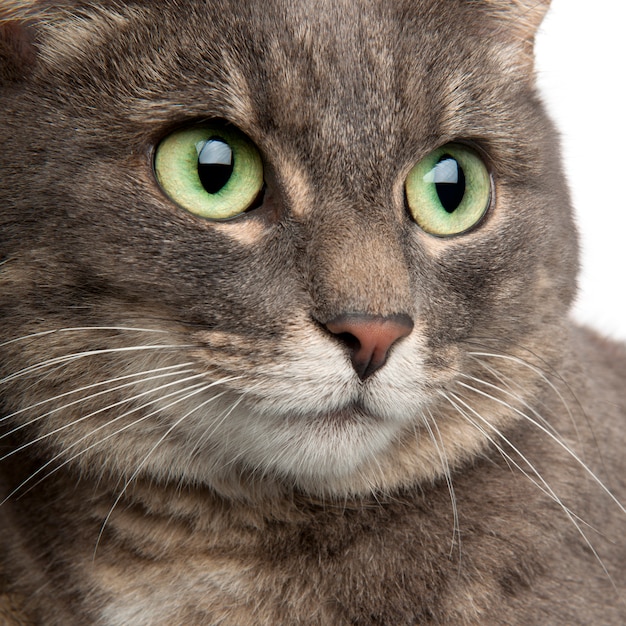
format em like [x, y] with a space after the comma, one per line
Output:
[212, 171]
[449, 191]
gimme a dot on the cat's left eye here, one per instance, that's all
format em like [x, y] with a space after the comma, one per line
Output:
[212, 170]
[449, 191]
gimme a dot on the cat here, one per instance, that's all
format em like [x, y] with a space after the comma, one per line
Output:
[284, 330]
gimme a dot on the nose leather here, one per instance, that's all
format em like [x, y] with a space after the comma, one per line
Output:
[369, 338]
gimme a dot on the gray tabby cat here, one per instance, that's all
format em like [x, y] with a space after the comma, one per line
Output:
[284, 332]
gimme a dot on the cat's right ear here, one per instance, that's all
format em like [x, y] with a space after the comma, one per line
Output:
[18, 52]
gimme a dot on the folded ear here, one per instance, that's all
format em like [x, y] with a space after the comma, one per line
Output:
[522, 17]
[17, 39]
[513, 23]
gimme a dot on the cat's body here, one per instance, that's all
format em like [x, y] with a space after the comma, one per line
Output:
[316, 412]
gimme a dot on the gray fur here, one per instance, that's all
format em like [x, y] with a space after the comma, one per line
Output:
[474, 479]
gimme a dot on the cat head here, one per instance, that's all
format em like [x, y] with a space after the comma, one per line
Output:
[389, 206]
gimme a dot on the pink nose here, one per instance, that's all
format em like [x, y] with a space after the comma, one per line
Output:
[369, 338]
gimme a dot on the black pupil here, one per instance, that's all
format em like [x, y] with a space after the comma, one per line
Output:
[449, 183]
[215, 164]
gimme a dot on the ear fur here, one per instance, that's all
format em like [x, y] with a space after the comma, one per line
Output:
[514, 23]
[521, 17]
[17, 40]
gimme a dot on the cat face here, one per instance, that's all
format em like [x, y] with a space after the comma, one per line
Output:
[143, 336]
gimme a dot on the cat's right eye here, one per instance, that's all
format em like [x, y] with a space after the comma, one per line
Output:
[213, 171]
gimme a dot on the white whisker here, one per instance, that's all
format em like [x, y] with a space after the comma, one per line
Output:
[167, 369]
[197, 388]
[80, 355]
[510, 461]
[544, 487]
[514, 396]
[44, 333]
[209, 432]
[558, 441]
[151, 451]
[443, 457]
[536, 371]
[89, 415]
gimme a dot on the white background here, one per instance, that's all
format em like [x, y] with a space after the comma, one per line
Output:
[581, 58]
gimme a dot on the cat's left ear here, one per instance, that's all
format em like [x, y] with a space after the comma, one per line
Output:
[17, 39]
[517, 19]
[523, 17]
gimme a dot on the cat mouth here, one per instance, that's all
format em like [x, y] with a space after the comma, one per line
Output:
[353, 413]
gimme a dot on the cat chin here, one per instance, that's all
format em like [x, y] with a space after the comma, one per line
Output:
[309, 452]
